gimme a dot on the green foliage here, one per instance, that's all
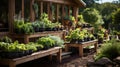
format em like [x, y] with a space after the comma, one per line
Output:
[78, 34]
[58, 40]
[23, 27]
[27, 28]
[47, 23]
[116, 19]
[110, 50]
[106, 10]
[6, 39]
[89, 3]
[46, 41]
[80, 20]
[92, 16]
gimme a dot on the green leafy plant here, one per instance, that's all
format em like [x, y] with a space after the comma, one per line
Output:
[23, 27]
[58, 40]
[110, 50]
[28, 28]
[46, 41]
[6, 39]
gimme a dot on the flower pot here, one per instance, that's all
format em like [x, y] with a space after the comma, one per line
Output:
[36, 29]
[88, 39]
[54, 29]
[41, 29]
[73, 41]
[92, 38]
[80, 41]
[39, 48]
[46, 47]
[85, 39]
[48, 29]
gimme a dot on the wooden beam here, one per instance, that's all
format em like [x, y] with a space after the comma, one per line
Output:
[11, 14]
[22, 9]
[41, 7]
[57, 12]
[32, 13]
[68, 10]
[49, 11]
[63, 13]
[66, 2]
[75, 13]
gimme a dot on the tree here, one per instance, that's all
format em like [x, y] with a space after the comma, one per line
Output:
[89, 2]
[106, 10]
[116, 17]
[92, 16]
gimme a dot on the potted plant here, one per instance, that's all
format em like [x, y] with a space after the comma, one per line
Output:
[58, 40]
[74, 35]
[18, 25]
[81, 38]
[46, 42]
[36, 26]
[28, 28]
[37, 47]
[100, 38]
[42, 26]
[91, 36]
[6, 39]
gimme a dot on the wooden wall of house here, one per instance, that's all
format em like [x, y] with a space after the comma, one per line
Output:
[59, 11]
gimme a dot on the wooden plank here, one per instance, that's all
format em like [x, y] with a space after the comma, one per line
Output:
[81, 46]
[32, 13]
[63, 14]
[11, 14]
[57, 12]
[36, 55]
[26, 37]
[68, 10]
[75, 13]
[22, 9]
[41, 7]
[66, 2]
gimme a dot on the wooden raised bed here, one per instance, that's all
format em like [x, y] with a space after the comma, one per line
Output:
[81, 46]
[37, 55]
[26, 37]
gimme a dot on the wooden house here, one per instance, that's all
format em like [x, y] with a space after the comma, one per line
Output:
[56, 10]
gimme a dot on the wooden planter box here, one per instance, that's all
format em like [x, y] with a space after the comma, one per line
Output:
[81, 46]
[26, 37]
[37, 55]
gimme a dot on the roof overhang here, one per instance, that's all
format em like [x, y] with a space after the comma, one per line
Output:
[80, 3]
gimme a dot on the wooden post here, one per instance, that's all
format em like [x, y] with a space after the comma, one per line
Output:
[68, 10]
[49, 11]
[57, 12]
[22, 9]
[32, 13]
[63, 14]
[59, 58]
[41, 8]
[81, 51]
[11, 14]
[75, 13]
[22, 15]
[96, 45]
